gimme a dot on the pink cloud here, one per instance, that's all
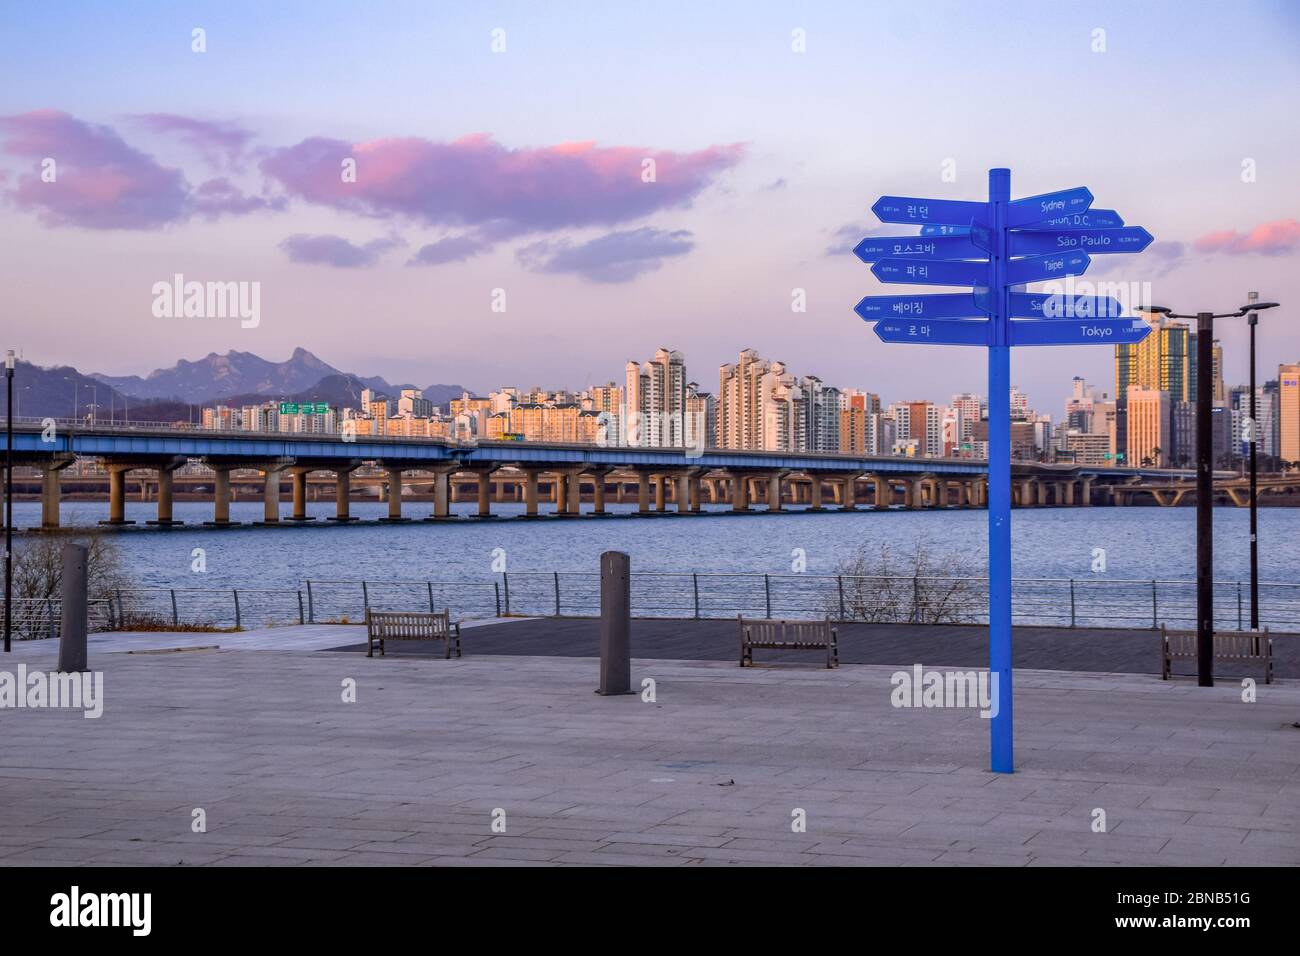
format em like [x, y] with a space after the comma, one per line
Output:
[220, 143]
[1270, 239]
[336, 251]
[100, 181]
[477, 181]
[220, 197]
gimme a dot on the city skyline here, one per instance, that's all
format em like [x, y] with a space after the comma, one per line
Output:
[532, 181]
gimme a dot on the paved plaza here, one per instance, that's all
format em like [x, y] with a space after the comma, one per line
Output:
[256, 735]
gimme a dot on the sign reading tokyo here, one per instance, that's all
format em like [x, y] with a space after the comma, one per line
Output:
[995, 248]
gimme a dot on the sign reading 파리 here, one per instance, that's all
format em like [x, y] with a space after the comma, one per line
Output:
[994, 248]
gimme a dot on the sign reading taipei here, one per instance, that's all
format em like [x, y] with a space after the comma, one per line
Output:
[994, 248]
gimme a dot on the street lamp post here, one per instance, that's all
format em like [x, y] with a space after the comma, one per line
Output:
[1205, 480]
[1252, 320]
[9, 496]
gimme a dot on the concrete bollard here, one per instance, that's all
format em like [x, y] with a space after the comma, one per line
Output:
[72, 638]
[615, 624]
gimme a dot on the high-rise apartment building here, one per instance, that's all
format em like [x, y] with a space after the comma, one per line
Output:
[1267, 410]
[821, 411]
[701, 418]
[970, 408]
[1288, 417]
[740, 386]
[656, 392]
[1162, 361]
[1150, 427]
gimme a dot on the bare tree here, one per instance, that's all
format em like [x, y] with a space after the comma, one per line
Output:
[916, 586]
[38, 579]
[38, 567]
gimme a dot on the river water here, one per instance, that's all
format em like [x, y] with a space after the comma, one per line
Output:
[1138, 543]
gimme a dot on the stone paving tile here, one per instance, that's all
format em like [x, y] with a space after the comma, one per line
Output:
[410, 774]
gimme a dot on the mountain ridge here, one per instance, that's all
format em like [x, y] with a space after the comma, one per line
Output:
[175, 393]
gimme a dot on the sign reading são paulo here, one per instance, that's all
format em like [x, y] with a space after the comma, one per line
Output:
[994, 249]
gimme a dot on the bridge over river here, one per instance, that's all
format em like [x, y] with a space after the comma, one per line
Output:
[659, 480]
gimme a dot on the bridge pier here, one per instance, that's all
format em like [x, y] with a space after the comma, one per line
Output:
[598, 478]
[573, 493]
[220, 496]
[642, 492]
[661, 493]
[774, 492]
[441, 493]
[1085, 491]
[393, 492]
[914, 494]
[530, 492]
[165, 494]
[484, 478]
[270, 495]
[51, 490]
[739, 492]
[883, 493]
[343, 494]
[815, 494]
[298, 477]
[683, 493]
[117, 494]
[1028, 493]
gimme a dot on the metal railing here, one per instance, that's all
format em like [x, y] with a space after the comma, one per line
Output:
[1055, 602]
[1070, 602]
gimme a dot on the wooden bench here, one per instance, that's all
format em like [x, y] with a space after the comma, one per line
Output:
[1252, 647]
[410, 626]
[788, 636]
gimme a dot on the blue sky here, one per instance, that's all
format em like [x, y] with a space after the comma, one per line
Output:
[886, 94]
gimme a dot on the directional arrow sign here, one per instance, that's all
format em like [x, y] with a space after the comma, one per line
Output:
[1092, 219]
[952, 212]
[1037, 268]
[935, 331]
[935, 271]
[1031, 242]
[1080, 332]
[960, 305]
[930, 230]
[1045, 305]
[921, 247]
[1048, 206]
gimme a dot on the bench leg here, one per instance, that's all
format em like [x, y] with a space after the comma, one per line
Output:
[370, 646]
[382, 652]
[447, 656]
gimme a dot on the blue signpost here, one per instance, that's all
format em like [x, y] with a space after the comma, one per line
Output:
[995, 247]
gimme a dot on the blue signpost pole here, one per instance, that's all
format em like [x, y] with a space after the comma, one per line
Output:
[999, 495]
[1033, 239]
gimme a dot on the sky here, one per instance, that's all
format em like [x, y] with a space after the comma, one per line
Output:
[501, 226]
